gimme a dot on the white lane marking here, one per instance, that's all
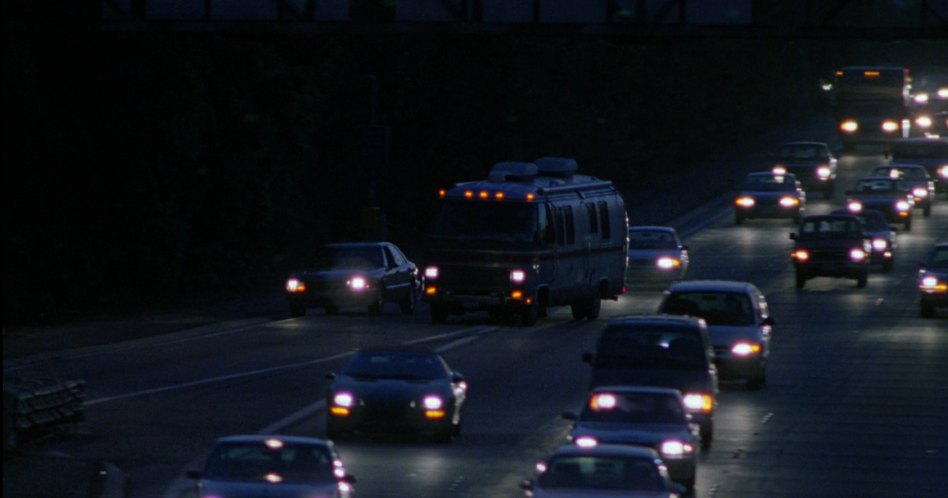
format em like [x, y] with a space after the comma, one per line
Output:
[470, 330]
[212, 380]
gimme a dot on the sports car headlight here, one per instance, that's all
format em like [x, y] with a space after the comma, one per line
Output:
[923, 121]
[745, 201]
[849, 126]
[857, 254]
[789, 201]
[295, 285]
[920, 192]
[676, 449]
[699, 402]
[890, 126]
[854, 206]
[823, 172]
[668, 263]
[800, 255]
[745, 349]
[880, 244]
[358, 283]
[930, 284]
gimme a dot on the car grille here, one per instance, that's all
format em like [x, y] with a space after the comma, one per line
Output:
[459, 278]
[821, 255]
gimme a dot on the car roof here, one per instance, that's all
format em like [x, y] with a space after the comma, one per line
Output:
[652, 320]
[712, 285]
[607, 450]
[865, 212]
[804, 143]
[356, 244]
[900, 166]
[636, 389]
[261, 438]
[656, 228]
[771, 173]
[833, 216]
[397, 349]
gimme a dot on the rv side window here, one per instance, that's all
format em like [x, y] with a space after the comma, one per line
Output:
[570, 226]
[593, 219]
[545, 228]
[604, 220]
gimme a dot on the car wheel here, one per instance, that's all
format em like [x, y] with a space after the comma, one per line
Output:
[908, 225]
[689, 485]
[332, 309]
[738, 219]
[862, 279]
[828, 193]
[928, 210]
[801, 279]
[595, 307]
[438, 313]
[926, 310]
[707, 434]
[297, 310]
[578, 309]
[759, 380]
[407, 303]
[335, 434]
[376, 307]
[888, 265]
[444, 435]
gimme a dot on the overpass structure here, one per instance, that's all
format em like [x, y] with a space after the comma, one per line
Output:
[895, 19]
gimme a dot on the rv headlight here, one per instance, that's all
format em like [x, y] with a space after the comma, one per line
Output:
[923, 121]
[518, 276]
[431, 272]
[890, 126]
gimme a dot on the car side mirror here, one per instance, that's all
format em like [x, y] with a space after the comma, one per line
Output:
[526, 485]
[769, 321]
[331, 375]
[677, 488]
[793, 236]
[684, 247]
[587, 358]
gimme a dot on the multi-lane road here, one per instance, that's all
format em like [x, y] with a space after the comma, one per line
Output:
[856, 402]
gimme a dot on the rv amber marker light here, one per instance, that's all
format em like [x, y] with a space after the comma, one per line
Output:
[441, 193]
[484, 194]
[468, 194]
[530, 197]
[499, 196]
[871, 74]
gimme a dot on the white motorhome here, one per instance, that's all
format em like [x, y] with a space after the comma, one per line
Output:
[531, 236]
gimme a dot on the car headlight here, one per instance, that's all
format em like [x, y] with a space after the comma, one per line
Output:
[518, 276]
[854, 206]
[699, 402]
[789, 201]
[890, 126]
[930, 284]
[745, 201]
[903, 205]
[434, 406]
[923, 121]
[745, 349]
[942, 93]
[431, 272]
[779, 169]
[673, 448]
[295, 285]
[342, 403]
[586, 442]
[880, 244]
[849, 126]
[920, 192]
[857, 254]
[823, 172]
[921, 98]
[668, 263]
[943, 171]
[358, 283]
[800, 255]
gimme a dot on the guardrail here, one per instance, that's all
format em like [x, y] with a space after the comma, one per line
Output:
[33, 408]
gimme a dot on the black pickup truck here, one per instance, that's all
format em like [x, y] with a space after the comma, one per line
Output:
[831, 246]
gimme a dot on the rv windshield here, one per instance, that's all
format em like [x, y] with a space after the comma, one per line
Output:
[487, 222]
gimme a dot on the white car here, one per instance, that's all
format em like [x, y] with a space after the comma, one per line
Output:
[739, 324]
[602, 470]
[273, 466]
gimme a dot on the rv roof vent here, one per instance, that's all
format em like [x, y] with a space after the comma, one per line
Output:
[512, 171]
[557, 166]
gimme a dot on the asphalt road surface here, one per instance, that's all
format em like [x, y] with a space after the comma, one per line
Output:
[855, 404]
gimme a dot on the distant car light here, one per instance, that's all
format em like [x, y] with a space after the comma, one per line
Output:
[518, 276]
[602, 401]
[344, 399]
[432, 402]
[675, 449]
[921, 98]
[890, 126]
[880, 244]
[668, 263]
[943, 171]
[920, 192]
[779, 170]
[849, 126]
[699, 402]
[586, 442]
[857, 254]
[930, 284]
[358, 283]
[854, 206]
[745, 201]
[431, 272]
[923, 121]
[789, 201]
[943, 93]
[903, 206]
[273, 443]
[824, 172]
[800, 255]
[295, 285]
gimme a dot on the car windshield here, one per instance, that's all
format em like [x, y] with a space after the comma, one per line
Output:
[915, 174]
[385, 365]
[651, 239]
[776, 183]
[349, 257]
[831, 228]
[645, 347]
[633, 408]
[601, 473]
[801, 152]
[878, 185]
[274, 462]
[875, 222]
[487, 222]
[928, 149]
[938, 259]
[717, 308]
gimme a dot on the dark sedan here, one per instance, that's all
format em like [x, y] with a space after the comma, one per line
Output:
[880, 233]
[929, 152]
[656, 254]
[355, 274]
[890, 196]
[916, 178]
[394, 390]
[769, 195]
[831, 246]
[813, 163]
[933, 281]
